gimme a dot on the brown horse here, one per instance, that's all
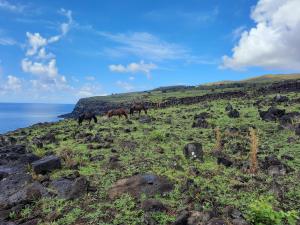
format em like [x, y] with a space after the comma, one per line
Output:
[117, 112]
[137, 108]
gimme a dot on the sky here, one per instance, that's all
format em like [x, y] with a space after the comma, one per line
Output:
[59, 51]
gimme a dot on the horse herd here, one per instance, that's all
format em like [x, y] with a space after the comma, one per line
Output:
[137, 107]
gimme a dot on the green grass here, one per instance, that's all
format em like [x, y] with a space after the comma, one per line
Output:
[217, 184]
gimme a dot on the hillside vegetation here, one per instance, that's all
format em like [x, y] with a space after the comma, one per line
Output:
[222, 161]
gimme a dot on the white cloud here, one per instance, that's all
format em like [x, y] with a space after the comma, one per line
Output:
[90, 78]
[7, 41]
[149, 47]
[125, 85]
[11, 85]
[38, 68]
[7, 5]
[144, 45]
[131, 78]
[89, 90]
[140, 67]
[274, 42]
[42, 64]
[35, 42]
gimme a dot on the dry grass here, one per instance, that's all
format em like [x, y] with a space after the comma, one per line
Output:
[218, 144]
[253, 151]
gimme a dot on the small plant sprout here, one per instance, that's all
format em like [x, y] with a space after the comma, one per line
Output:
[253, 151]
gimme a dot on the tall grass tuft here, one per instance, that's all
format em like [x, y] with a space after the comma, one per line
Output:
[218, 144]
[253, 151]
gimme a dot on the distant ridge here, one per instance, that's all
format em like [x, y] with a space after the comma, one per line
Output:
[260, 79]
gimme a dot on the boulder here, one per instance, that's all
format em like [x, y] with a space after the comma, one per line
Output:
[228, 107]
[280, 98]
[272, 114]
[46, 164]
[193, 151]
[217, 221]
[182, 218]
[297, 130]
[224, 161]
[197, 217]
[234, 113]
[153, 205]
[145, 119]
[200, 123]
[148, 184]
[70, 189]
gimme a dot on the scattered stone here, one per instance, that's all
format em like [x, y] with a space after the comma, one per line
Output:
[148, 184]
[46, 164]
[280, 98]
[197, 217]
[97, 158]
[70, 189]
[229, 107]
[182, 218]
[272, 114]
[234, 113]
[145, 119]
[200, 123]
[224, 161]
[194, 151]
[217, 221]
[153, 205]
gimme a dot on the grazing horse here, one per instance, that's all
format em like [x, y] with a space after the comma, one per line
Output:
[137, 107]
[87, 116]
[117, 112]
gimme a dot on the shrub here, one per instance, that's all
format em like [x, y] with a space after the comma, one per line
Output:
[156, 136]
[261, 212]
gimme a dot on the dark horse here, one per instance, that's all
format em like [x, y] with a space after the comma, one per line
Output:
[87, 116]
[137, 108]
[117, 112]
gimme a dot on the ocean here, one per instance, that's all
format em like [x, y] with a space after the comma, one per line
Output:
[19, 115]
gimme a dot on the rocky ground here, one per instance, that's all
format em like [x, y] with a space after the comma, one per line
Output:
[183, 164]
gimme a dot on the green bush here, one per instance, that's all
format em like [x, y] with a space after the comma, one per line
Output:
[261, 212]
[157, 136]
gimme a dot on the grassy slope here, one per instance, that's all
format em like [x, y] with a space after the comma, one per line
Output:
[261, 79]
[217, 183]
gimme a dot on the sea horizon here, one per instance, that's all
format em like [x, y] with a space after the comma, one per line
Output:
[20, 115]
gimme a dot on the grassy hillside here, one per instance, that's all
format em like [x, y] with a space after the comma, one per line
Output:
[269, 78]
[155, 145]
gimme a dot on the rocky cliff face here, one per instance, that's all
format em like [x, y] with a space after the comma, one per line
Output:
[101, 106]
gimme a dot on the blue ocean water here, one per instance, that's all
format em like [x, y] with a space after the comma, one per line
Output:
[19, 115]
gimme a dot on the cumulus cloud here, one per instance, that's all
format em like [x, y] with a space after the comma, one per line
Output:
[274, 42]
[125, 85]
[42, 64]
[38, 68]
[11, 85]
[140, 67]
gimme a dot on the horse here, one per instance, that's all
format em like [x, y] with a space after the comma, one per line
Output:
[137, 107]
[117, 112]
[87, 116]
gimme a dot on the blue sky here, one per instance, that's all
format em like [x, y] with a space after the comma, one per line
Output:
[60, 51]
